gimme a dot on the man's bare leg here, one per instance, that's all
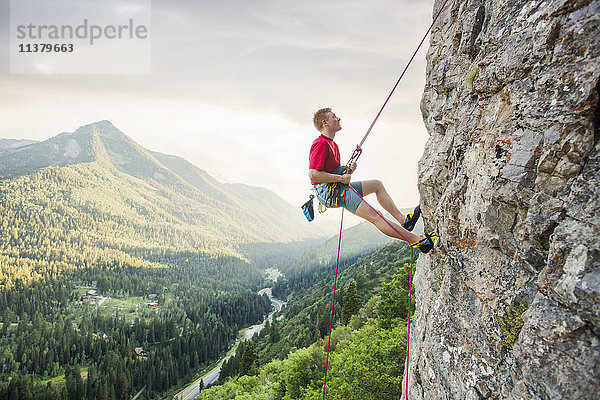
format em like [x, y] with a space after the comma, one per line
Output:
[375, 186]
[366, 212]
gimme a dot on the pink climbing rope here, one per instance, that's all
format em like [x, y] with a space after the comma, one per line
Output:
[354, 157]
[409, 281]
[358, 151]
[337, 263]
[335, 283]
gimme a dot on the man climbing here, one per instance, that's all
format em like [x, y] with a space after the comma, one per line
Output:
[331, 180]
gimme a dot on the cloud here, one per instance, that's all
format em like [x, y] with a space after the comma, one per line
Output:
[267, 52]
[131, 8]
[246, 77]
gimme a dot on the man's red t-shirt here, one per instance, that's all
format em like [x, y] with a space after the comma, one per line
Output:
[324, 155]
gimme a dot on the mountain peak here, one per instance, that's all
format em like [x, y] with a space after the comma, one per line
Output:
[102, 128]
[159, 187]
[60, 150]
[9, 144]
[99, 142]
[104, 123]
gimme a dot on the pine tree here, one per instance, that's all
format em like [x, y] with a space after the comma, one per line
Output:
[274, 335]
[351, 303]
[225, 370]
[90, 381]
[76, 376]
[249, 362]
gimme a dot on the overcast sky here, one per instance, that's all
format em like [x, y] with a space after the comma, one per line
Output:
[233, 86]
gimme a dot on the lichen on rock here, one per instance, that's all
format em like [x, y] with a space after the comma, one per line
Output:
[510, 182]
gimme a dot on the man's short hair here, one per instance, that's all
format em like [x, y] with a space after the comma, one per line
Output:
[319, 117]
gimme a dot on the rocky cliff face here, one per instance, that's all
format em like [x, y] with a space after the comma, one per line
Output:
[508, 303]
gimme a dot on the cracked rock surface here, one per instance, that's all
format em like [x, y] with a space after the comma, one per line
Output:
[510, 182]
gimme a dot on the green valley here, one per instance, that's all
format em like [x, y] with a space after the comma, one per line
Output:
[125, 271]
[368, 344]
[107, 248]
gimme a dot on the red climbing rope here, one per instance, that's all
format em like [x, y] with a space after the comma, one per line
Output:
[337, 263]
[358, 151]
[409, 283]
[355, 155]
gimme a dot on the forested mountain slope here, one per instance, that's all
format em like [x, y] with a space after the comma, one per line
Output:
[96, 197]
[108, 249]
[368, 343]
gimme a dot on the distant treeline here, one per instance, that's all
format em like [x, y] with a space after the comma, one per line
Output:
[368, 342]
[46, 333]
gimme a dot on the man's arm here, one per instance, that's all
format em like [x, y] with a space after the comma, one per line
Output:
[317, 175]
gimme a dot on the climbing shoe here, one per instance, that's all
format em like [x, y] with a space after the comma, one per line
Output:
[425, 244]
[411, 219]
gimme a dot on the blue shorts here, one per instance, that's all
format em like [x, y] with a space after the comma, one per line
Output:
[352, 201]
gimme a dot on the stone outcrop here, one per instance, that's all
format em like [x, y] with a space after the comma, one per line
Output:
[508, 302]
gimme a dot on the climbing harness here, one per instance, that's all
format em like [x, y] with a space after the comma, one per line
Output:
[353, 158]
[335, 192]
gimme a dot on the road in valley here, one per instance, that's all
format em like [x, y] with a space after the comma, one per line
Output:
[192, 391]
[278, 304]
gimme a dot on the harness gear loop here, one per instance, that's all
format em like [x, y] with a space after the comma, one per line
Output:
[322, 208]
